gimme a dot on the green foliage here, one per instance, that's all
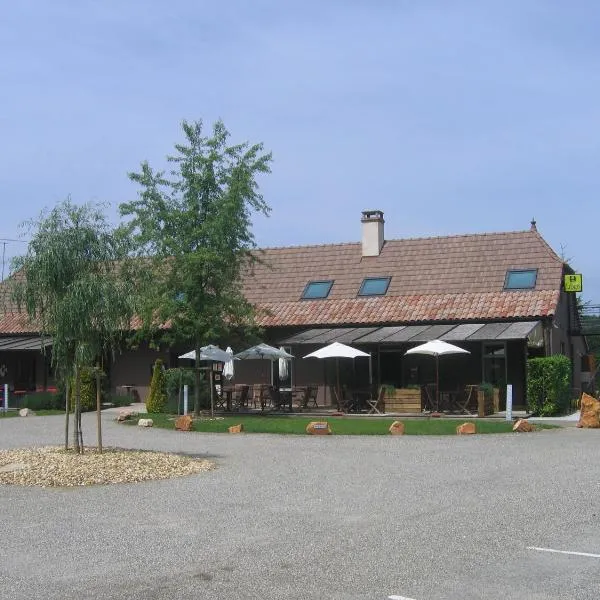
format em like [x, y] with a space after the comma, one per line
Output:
[157, 399]
[487, 389]
[71, 287]
[548, 385]
[193, 225]
[43, 401]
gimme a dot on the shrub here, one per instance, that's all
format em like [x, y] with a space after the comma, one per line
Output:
[87, 390]
[157, 399]
[43, 401]
[548, 385]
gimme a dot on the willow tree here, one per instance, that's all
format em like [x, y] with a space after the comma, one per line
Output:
[194, 222]
[71, 285]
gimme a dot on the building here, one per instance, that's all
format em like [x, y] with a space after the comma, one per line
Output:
[498, 295]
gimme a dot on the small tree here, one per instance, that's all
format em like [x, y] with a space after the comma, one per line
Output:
[73, 292]
[157, 400]
[195, 224]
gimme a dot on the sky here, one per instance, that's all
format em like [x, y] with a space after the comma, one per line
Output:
[450, 116]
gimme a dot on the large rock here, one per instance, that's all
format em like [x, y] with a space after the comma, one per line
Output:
[125, 415]
[466, 429]
[590, 412]
[145, 423]
[236, 428]
[318, 428]
[523, 426]
[184, 423]
[26, 412]
[397, 428]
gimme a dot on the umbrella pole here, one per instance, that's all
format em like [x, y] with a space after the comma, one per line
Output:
[212, 394]
[337, 379]
[437, 383]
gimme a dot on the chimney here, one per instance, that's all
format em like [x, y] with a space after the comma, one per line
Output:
[372, 232]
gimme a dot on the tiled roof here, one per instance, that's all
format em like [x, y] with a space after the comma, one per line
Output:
[441, 265]
[451, 278]
[410, 309]
[444, 278]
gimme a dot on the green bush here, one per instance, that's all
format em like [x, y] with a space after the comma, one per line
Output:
[43, 401]
[548, 385]
[117, 399]
[157, 399]
[87, 390]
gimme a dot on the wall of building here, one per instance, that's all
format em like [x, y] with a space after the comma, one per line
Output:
[132, 370]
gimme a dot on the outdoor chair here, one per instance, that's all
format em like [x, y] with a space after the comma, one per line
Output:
[312, 392]
[274, 396]
[241, 396]
[376, 405]
[259, 396]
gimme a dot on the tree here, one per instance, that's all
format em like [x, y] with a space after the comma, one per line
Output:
[71, 286]
[195, 226]
[157, 399]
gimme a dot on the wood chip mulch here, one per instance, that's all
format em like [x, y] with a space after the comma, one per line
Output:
[55, 467]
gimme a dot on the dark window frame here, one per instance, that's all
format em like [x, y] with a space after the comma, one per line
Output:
[317, 282]
[387, 279]
[509, 272]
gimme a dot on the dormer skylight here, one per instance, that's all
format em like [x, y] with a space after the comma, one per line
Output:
[520, 279]
[316, 290]
[374, 286]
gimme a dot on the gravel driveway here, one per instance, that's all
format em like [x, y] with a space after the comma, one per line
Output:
[301, 517]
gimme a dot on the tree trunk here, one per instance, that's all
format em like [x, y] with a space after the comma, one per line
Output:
[99, 410]
[67, 403]
[197, 386]
[76, 413]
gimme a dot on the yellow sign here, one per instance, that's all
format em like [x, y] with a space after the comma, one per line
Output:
[573, 283]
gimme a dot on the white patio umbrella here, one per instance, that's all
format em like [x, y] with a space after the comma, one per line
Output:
[263, 351]
[228, 368]
[210, 352]
[214, 354]
[437, 348]
[283, 366]
[338, 350]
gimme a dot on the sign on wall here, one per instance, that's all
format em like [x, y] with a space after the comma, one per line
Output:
[574, 283]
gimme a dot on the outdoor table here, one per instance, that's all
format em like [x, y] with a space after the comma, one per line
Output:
[285, 397]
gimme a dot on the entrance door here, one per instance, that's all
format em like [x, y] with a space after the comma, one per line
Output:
[494, 368]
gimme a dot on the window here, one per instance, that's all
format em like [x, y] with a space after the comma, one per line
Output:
[374, 286]
[520, 280]
[317, 289]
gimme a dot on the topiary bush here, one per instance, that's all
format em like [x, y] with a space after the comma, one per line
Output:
[157, 399]
[87, 390]
[548, 385]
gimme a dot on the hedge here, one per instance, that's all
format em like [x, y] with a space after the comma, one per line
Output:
[548, 385]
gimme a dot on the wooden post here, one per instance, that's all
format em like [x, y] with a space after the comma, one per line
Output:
[67, 391]
[99, 410]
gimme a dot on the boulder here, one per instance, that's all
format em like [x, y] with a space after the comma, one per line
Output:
[184, 423]
[590, 412]
[466, 429]
[397, 428]
[26, 412]
[145, 423]
[236, 428]
[126, 414]
[318, 428]
[523, 426]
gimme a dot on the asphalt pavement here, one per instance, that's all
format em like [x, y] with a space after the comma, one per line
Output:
[299, 517]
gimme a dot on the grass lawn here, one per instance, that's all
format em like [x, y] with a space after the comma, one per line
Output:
[338, 425]
[39, 413]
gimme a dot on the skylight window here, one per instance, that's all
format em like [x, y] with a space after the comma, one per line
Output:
[317, 289]
[523, 279]
[374, 286]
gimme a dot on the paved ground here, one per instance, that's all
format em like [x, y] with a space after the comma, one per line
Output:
[298, 517]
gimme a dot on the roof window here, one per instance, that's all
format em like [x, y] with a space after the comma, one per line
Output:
[374, 286]
[523, 279]
[317, 289]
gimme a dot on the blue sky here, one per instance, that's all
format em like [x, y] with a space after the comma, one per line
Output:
[450, 116]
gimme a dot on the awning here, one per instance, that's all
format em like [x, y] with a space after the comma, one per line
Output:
[467, 332]
[22, 342]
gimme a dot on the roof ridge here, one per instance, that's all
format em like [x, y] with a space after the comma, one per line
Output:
[403, 239]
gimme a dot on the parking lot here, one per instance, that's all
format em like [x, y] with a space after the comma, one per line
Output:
[314, 517]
